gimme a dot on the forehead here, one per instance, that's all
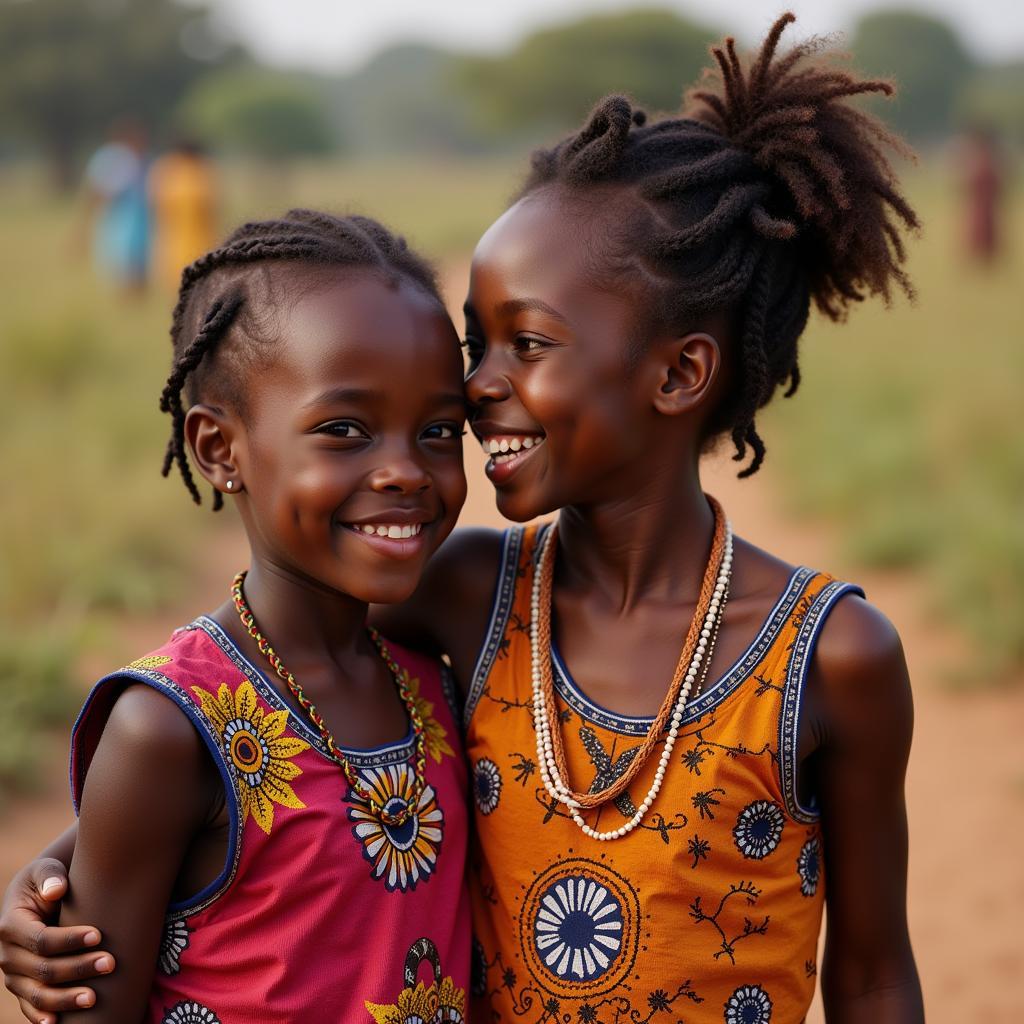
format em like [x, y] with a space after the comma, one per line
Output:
[560, 244]
[363, 325]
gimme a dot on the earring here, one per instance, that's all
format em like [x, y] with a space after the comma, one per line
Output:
[230, 484]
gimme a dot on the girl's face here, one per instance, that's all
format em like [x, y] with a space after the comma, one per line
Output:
[351, 452]
[550, 377]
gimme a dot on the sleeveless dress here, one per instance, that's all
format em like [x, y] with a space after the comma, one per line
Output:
[321, 912]
[710, 910]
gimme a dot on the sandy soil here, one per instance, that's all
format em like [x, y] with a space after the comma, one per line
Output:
[965, 786]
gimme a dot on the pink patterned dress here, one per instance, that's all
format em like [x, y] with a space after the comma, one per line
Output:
[321, 911]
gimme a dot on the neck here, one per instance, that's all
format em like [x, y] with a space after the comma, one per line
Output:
[299, 615]
[651, 545]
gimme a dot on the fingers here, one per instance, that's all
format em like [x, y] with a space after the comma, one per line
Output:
[21, 929]
[20, 963]
[40, 1003]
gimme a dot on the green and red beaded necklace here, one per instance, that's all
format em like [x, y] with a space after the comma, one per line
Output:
[401, 682]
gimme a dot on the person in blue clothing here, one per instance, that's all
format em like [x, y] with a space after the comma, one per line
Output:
[117, 206]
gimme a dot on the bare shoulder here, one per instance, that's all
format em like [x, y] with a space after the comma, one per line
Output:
[146, 724]
[859, 672]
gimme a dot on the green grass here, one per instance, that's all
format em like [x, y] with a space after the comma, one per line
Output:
[905, 432]
[903, 436]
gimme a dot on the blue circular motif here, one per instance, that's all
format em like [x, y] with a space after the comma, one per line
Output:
[808, 866]
[749, 1004]
[486, 785]
[758, 829]
[578, 928]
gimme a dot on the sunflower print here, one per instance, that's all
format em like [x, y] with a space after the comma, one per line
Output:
[257, 748]
[401, 855]
[436, 1004]
[434, 733]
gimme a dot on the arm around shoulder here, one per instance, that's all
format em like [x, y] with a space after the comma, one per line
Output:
[865, 710]
[147, 792]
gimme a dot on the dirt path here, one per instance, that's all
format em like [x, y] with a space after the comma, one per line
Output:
[965, 785]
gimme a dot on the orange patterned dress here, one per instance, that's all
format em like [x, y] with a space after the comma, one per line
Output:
[710, 910]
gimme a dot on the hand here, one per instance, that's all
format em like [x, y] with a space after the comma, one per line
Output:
[36, 958]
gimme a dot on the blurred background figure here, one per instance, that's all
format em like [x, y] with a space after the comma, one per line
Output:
[117, 211]
[981, 182]
[183, 198]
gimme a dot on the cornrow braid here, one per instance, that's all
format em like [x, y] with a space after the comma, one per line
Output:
[770, 192]
[214, 292]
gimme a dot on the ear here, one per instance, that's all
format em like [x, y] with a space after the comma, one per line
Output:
[213, 437]
[687, 368]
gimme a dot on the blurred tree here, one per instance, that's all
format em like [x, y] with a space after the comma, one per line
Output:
[71, 67]
[926, 58]
[404, 100]
[258, 112]
[994, 97]
[555, 76]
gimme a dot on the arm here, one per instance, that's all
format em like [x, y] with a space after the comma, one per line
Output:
[148, 791]
[449, 611]
[862, 703]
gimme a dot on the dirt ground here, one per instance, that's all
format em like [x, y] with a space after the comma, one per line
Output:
[965, 786]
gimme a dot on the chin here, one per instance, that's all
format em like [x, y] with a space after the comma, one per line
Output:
[523, 508]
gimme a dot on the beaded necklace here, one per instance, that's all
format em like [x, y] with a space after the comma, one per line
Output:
[697, 648]
[399, 817]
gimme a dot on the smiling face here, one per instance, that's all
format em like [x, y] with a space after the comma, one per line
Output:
[559, 381]
[350, 454]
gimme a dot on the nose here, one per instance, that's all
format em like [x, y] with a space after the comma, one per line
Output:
[487, 381]
[401, 472]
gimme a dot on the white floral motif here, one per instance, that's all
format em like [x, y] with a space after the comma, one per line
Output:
[173, 943]
[578, 929]
[749, 1004]
[189, 1013]
[486, 785]
[808, 866]
[758, 829]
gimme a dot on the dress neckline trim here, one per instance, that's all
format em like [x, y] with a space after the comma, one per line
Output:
[638, 725]
[362, 757]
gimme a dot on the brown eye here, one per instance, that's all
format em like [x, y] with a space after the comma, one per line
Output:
[346, 429]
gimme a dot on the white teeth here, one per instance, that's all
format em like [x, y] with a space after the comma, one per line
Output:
[515, 444]
[392, 532]
[527, 442]
[486, 447]
[493, 447]
[504, 445]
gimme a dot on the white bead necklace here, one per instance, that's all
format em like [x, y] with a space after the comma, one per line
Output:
[549, 773]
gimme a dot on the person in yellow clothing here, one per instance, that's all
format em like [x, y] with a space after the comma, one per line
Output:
[183, 196]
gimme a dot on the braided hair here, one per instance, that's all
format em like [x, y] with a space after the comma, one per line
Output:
[769, 191]
[217, 294]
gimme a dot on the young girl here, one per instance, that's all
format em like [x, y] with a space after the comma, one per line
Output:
[264, 867]
[679, 743]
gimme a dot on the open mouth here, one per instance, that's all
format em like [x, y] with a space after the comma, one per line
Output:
[508, 447]
[507, 452]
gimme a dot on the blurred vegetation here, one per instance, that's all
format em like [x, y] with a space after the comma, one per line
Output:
[246, 111]
[71, 68]
[555, 76]
[903, 433]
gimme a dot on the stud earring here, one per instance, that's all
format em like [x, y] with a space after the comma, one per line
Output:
[230, 484]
